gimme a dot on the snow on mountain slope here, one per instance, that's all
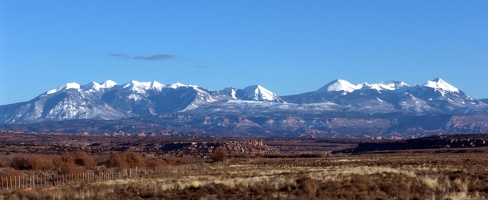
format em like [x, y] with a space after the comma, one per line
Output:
[347, 87]
[94, 86]
[65, 104]
[177, 85]
[232, 92]
[108, 84]
[436, 96]
[257, 93]
[151, 98]
[66, 86]
[388, 85]
[111, 101]
[339, 85]
[203, 97]
[108, 101]
[252, 93]
[90, 87]
[142, 87]
[440, 84]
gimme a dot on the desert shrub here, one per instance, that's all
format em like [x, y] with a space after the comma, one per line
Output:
[60, 161]
[134, 159]
[219, 154]
[81, 158]
[155, 162]
[75, 162]
[117, 160]
[308, 186]
[71, 168]
[32, 162]
[125, 160]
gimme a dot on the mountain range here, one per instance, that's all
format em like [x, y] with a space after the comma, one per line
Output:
[338, 99]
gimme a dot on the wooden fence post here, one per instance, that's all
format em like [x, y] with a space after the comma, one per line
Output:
[42, 180]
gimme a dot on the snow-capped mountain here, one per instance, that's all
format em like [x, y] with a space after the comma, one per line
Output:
[94, 86]
[440, 85]
[254, 93]
[64, 103]
[388, 85]
[345, 87]
[339, 85]
[434, 96]
[109, 100]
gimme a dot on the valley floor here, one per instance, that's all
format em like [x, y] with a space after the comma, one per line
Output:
[393, 175]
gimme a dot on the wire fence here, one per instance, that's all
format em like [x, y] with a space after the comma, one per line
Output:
[8, 183]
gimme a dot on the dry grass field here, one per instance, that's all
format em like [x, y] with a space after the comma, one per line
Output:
[57, 166]
[399, 175]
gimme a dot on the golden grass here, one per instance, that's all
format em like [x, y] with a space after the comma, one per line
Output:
[430, 176]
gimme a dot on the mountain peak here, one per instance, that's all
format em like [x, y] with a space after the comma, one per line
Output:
[156, 85]
[440, 84]
[141, 87]
[257, 93]
[91, 86]
[339, 85]
[108, 84]
[177, 85]
[94, 86]
[133, 99]
[386, 85]
[65, 87]
[256, 87]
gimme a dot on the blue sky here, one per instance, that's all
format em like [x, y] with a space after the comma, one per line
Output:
[289, 47]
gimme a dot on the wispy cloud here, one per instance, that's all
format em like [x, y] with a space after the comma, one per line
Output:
[152, 57]
[121, 55]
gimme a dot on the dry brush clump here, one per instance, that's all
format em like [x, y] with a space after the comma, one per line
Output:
[74, 162]
[31, 162]
[81, 158]
[66, 165]
[219, 154]
[125, 160]
[155, 163]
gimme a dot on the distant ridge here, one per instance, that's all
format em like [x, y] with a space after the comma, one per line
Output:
[111, 101]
